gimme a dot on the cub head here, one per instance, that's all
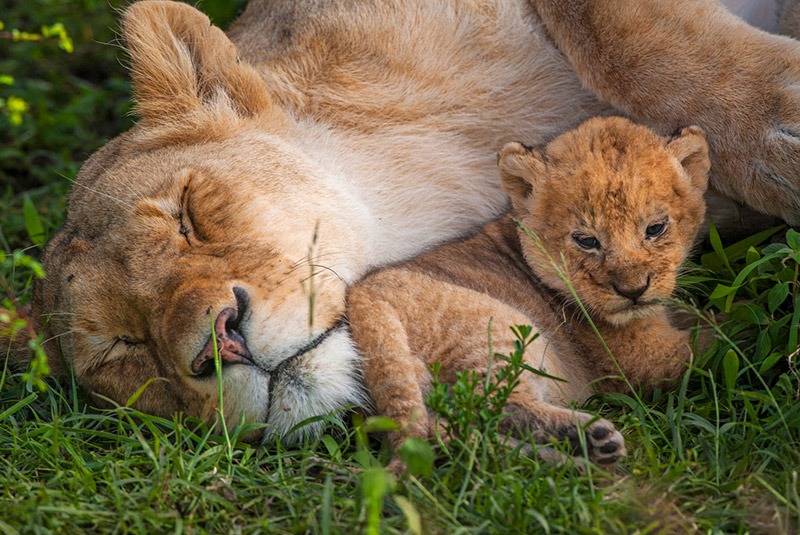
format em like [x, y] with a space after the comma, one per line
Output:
[614, 209]
[205, 230]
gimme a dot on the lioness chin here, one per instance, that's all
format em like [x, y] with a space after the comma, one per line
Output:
[606, 215]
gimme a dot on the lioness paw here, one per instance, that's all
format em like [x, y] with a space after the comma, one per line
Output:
[758, 164]
[778, 168]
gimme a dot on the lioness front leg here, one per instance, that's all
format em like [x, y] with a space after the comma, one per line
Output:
[672, 64]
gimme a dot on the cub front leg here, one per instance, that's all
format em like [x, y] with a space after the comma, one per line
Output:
[684, 62]
[650, 353]
[396, 380]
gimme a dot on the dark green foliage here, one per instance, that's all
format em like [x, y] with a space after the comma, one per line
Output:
[76, 101]
[756, 288]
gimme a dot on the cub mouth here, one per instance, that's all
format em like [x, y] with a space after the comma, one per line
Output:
[633, 311]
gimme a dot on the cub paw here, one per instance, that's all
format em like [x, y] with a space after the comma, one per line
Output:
[604, 444]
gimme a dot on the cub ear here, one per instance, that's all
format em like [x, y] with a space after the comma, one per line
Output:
[181, 64]
[690, 148]
[521, 170]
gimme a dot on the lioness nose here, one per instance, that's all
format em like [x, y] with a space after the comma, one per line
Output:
[632, 293]
[230, 344]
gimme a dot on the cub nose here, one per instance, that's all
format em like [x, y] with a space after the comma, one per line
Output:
[231, 345]
[632, 293]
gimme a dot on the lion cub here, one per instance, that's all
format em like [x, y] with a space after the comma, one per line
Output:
[614, 209]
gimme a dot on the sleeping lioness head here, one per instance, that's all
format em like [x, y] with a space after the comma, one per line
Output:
[616, 227]
[164, 244]
[175, 258]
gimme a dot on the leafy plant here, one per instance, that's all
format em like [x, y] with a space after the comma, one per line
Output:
[12, 322]
[12, 106]
[753, 288]
[472, 409]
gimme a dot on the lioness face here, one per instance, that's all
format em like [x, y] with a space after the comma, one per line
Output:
[164, 246]
[206, 231]
[614, 208]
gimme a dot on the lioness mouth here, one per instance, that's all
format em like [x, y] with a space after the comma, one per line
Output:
[278, 370]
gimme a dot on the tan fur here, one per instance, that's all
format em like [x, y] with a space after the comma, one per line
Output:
[606, 43]
[317, 141]
[608, 179]
[789, 21]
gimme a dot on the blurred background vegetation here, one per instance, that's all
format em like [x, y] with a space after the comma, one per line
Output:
[76, 101]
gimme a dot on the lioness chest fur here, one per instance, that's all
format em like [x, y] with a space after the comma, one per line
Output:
[607, 214]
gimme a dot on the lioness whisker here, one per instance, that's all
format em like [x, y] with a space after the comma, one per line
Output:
[59, 335]
[323, 268]
[304, 262]
[120, 202]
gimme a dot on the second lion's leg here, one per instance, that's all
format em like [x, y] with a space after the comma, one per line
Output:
[674, 64]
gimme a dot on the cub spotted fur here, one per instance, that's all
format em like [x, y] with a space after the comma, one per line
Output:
[614, 208]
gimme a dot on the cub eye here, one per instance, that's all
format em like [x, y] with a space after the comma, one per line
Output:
[656, 229]
[586, 242]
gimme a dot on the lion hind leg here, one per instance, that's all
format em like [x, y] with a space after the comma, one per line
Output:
[544, 423]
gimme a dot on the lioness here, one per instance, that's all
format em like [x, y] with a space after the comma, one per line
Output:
[615, 209]
[274, 166]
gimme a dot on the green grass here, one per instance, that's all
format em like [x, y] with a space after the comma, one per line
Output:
[713, 455]
[719, 454]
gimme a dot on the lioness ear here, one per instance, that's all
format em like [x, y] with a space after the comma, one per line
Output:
[690, 148]
[181, 64]
[521, 170]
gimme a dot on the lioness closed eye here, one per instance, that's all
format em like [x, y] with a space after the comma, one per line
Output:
[615, 209]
